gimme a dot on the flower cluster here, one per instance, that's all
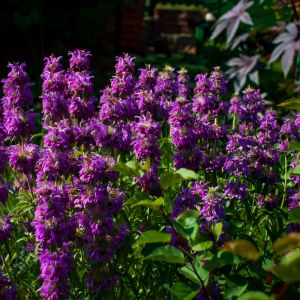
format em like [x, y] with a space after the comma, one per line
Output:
[151, 127]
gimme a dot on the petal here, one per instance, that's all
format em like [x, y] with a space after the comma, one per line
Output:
[231, 30]
[249, 4]
[241, 38]
[235, 62]
[292, 29]
[276, 52]
[242, 81]
[246, 19]
[287, 59]
[219, 28]
[254, 77]
[283, 37]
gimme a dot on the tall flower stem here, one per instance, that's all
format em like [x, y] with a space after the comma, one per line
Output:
[285, 181]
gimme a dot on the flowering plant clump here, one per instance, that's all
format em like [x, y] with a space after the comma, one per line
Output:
[165, 187]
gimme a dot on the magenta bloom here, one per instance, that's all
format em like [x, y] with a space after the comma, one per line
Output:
[23, 157]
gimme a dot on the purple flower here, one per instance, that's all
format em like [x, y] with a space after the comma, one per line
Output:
[23, 157]
[80, 59]
[269, 201]
[3, 158]
[55, 268]
[16, 87]
[6, 228]
[147, 78]
[101, 286]
[52, 225]
[150, 181]
[212, 205]
[294, 200]
[146, 133]
[236, 190]
[55, 107]
[93, 169]
[103, 135]
[52, 164]
[53, 76]
[3, 192]
[124, 65]
[188, 158]
[7, 290]
[185, 201]
[218, 83]
[182, 121]
[288, 129]
[56, 138]
[17, 122]
[297, 121]
[183, 80]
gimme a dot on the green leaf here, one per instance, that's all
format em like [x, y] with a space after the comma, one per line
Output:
[187, 225]
[188, 214]
[180, 175]
[149, 203]
[289, 242]
[234, 289]
[202, 246]
[170, 179]
[254, 295]
[293, 103]
[218, 261]
[138, 196]
[217, 230]
[168, 254]
[294, 145]
[147, 164]
[153, 236]
[296, 170]
[189, 273]
[199, 33]
[289, 267]
[181, 291]
[187, 174]
[132, 164]
[294, 216]
[122, 169]
[242, 248]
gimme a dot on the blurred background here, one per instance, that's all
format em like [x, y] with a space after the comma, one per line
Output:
[158, 32]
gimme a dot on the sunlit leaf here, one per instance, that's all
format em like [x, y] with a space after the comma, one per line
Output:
[294, 216]
[180, 175]
[153, 236]
[289, 267]
[293, 103]
[217, 230]
[287, 243]
[181, 291]
[255, 295]
[168, 254]
[203, 246]
[149, 203]
[242, 248]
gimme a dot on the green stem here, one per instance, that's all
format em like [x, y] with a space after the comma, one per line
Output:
[5, 265]
[285, 181]
[233, 122]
